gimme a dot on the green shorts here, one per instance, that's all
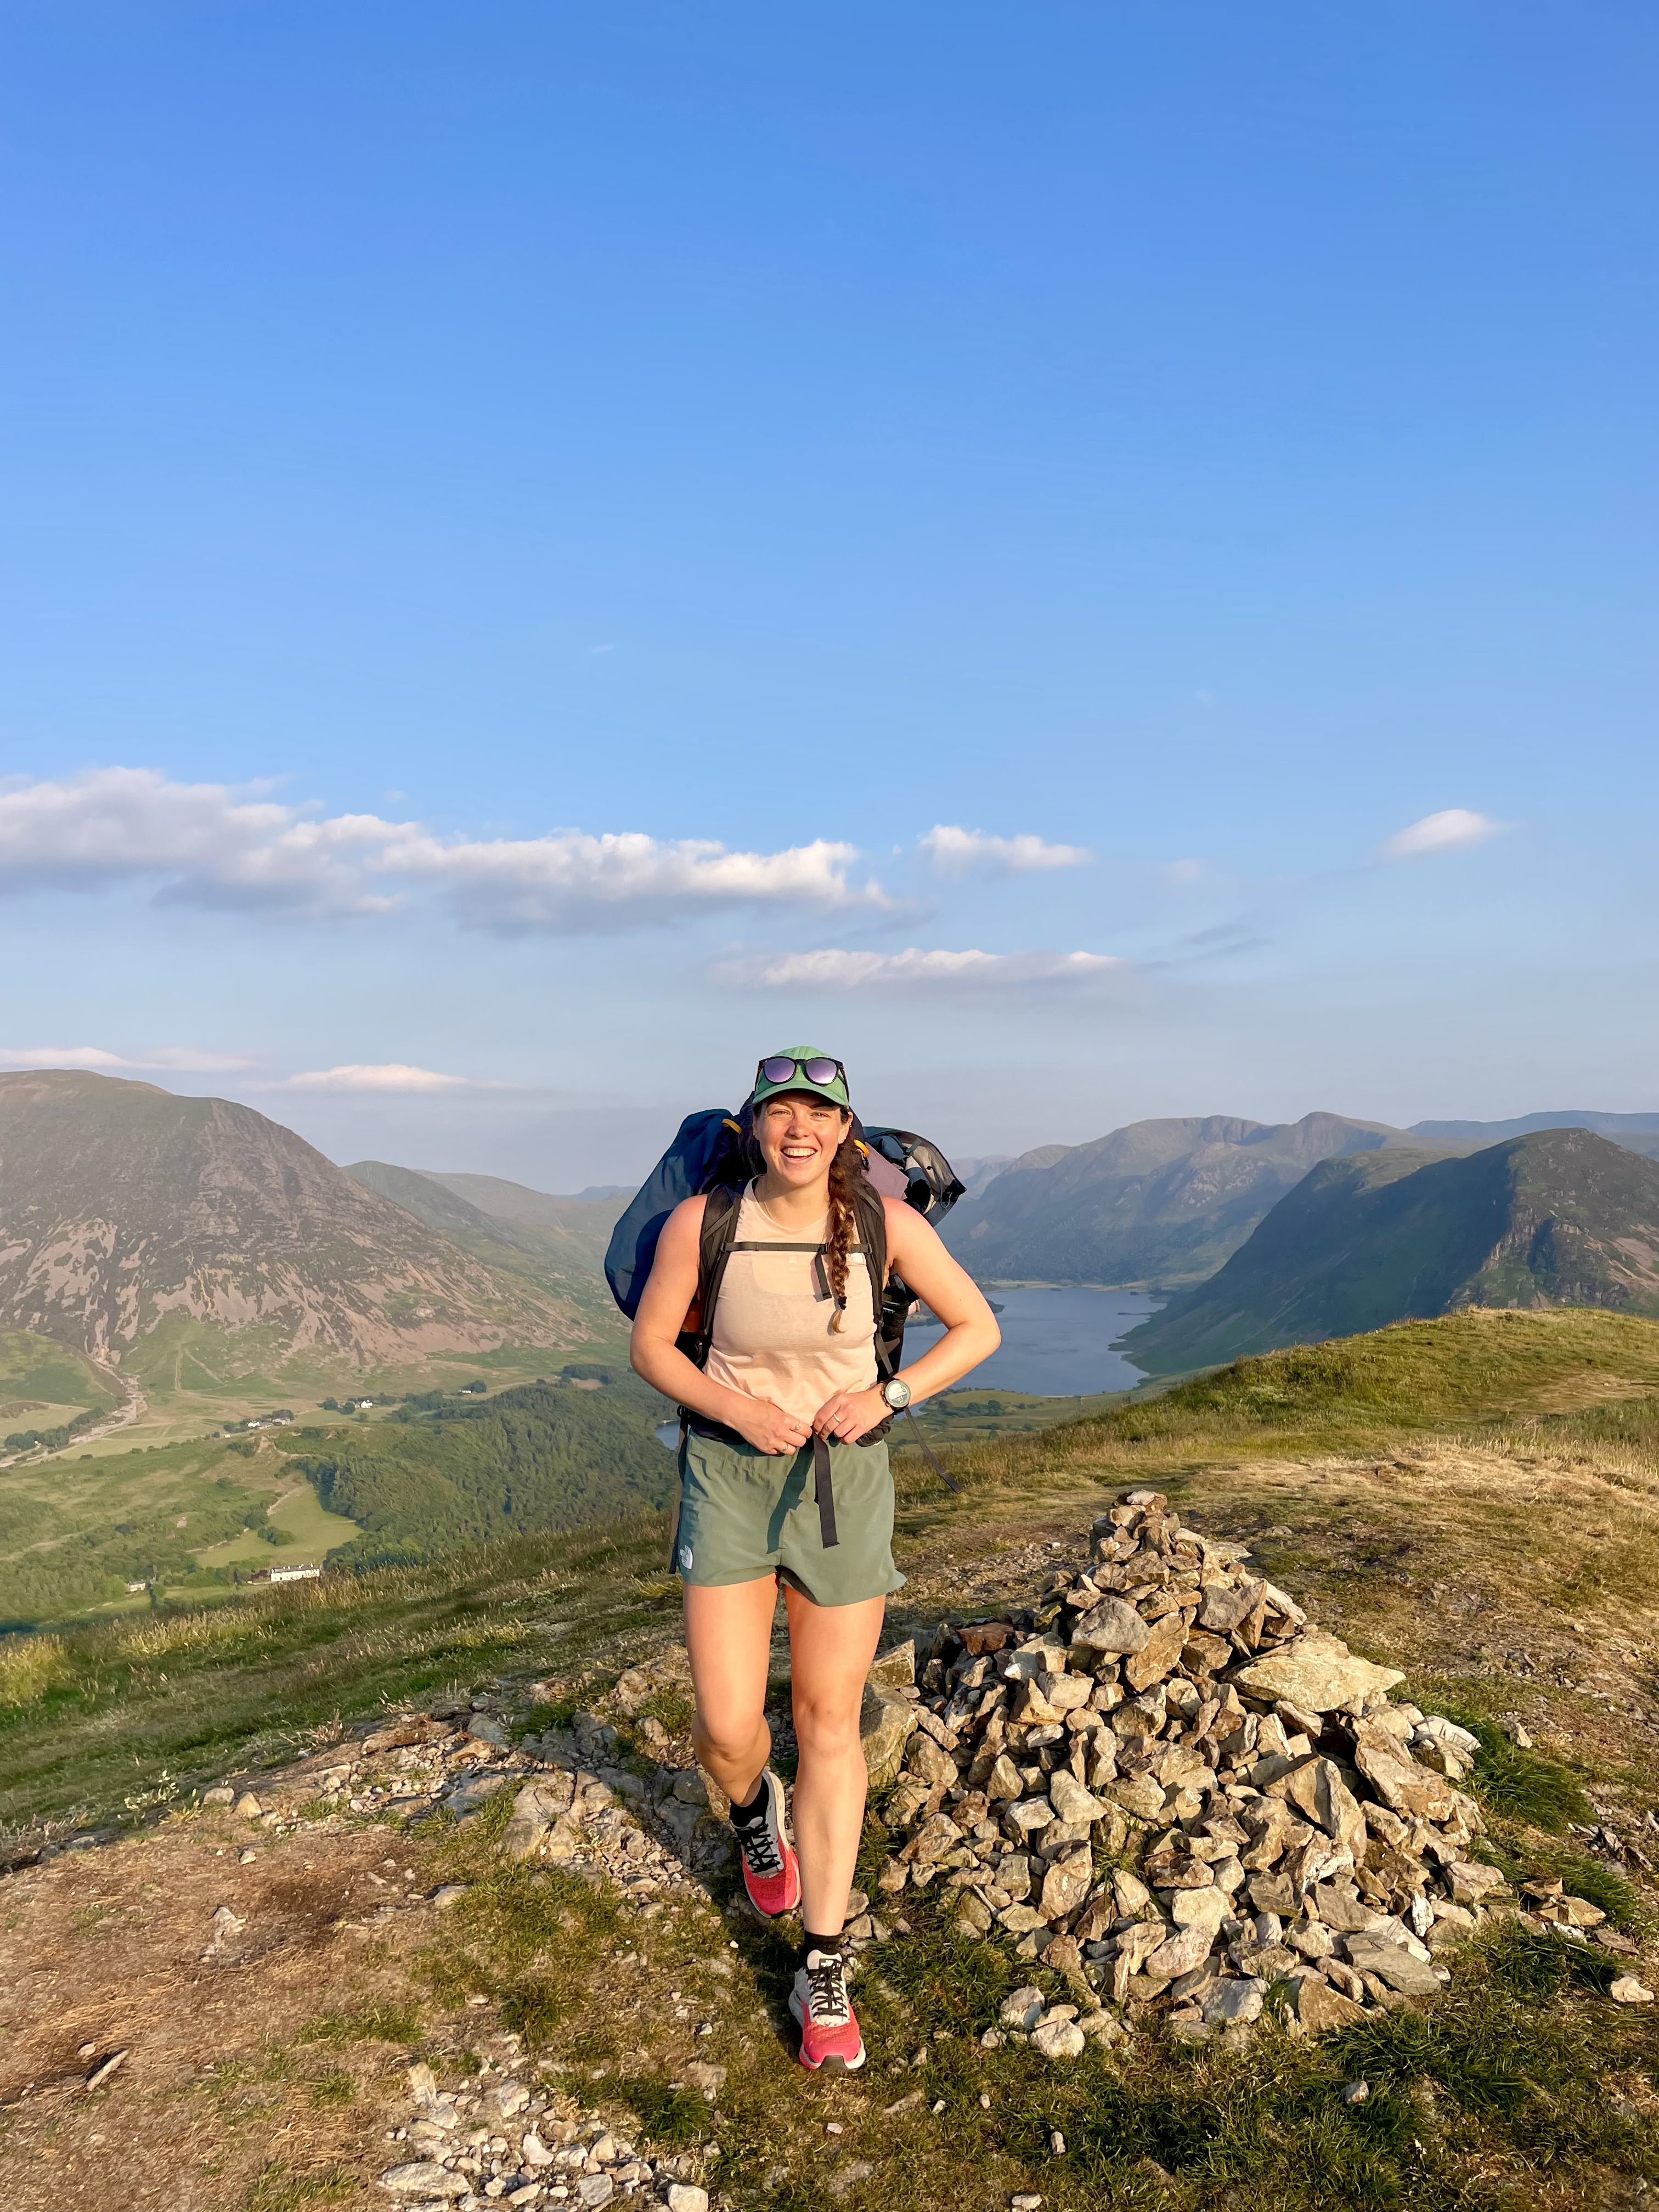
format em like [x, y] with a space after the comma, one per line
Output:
[745, 1514]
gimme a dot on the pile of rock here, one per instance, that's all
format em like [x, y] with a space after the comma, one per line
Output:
[496, 2139]
[1275, 1820]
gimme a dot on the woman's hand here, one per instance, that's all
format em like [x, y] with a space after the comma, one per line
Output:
[850, 1414]
[767, 1426]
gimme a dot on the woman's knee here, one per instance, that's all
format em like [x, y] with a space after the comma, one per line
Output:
[827, 1726]
[729, 1737]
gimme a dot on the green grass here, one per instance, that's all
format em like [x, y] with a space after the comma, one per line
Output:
[33, 1367]
[1466, 1371]
[1517, 1785]
[380, 2022]
[176, 1699]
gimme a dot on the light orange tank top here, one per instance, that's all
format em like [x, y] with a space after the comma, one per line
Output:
[772, 1335]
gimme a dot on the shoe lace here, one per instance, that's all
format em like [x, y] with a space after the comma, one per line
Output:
[826, 1989]
[760, 1850]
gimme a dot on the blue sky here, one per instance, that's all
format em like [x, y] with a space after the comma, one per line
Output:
[521, 523]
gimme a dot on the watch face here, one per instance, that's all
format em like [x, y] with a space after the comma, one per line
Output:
[897, 1394]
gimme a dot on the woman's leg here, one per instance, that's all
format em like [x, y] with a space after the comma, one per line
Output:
[831, 1647]
[728, 1634]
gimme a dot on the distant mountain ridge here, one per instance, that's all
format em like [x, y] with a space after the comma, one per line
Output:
[125, 1209]
[1637, 1132]
[1160, 1202]
[1561, 1217]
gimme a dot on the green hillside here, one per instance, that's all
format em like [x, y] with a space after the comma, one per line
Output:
[1157, 1202]
[554, 1454]
[44, 1390]
[1561, 1218]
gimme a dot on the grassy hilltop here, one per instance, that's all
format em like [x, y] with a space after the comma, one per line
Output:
[1475, 1499]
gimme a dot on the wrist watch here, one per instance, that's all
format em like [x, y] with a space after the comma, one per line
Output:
[896, 1394]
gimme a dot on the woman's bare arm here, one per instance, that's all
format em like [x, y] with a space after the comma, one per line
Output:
[971, 1334]
[654, 1354]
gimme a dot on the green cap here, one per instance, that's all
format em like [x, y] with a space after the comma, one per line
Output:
[801, 1058]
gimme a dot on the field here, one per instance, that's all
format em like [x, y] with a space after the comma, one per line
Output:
[195, 1379]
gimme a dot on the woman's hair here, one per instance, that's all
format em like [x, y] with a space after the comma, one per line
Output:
[847, 1172]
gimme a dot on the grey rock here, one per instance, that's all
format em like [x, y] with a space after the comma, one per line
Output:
[1113, 1628]
[423, 2177]
[1057, 2039]
[886, 1725]
[1023, 2009]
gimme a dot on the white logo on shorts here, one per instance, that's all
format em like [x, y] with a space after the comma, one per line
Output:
[685, 1558]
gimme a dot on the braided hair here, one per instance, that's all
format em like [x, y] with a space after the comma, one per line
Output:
[846, 1174]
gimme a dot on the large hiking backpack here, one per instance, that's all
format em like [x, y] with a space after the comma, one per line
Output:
[708, 1157]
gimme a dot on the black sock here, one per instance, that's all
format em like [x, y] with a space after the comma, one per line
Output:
[810, 1942]
[749, 1815]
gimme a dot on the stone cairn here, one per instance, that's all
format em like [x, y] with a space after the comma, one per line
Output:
[1297, 1830]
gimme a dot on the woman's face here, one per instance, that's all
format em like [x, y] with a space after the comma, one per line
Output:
[799, 1136]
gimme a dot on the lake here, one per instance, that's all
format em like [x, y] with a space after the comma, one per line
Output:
[1056, 1342]
[1056, 1339]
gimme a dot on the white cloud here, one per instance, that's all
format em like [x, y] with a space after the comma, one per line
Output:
[570, 883]
[389, 1075]
[206, 844]
[383, 1076]
[183, 1060]
[963, 852]
[915, 970]
[1439, 833]
[1184, 872]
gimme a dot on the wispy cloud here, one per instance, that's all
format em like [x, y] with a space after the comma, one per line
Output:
[389, 1075]
[183, 1060]
[1440, 833]
[915, 970]
[958, 852]
[207, 845]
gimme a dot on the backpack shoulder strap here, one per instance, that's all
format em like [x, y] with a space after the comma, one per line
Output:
[719, 1230]
[871, 1216]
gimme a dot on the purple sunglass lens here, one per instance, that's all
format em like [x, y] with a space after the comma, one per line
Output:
[777, 1071]
[821, 1070]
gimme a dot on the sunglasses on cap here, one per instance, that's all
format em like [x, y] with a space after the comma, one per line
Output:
[780, 1069]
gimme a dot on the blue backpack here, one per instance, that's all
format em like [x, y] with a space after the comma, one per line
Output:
[709, 1156]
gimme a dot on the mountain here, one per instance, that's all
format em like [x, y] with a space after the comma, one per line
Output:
[570, 1227]
[1563, 1217]
[128, 1214]
[976, 1175]
[1157, 1202]
[1639, 1133]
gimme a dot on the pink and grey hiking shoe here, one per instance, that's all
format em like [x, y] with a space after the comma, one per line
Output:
[828, 2026]
[771, 1872]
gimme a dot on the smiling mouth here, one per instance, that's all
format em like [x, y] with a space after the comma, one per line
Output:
[800, 1152]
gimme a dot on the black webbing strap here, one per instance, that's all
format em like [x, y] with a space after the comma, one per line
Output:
[922, 1443]
[823, 1490]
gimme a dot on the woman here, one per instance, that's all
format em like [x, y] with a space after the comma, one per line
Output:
[790, 1412]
